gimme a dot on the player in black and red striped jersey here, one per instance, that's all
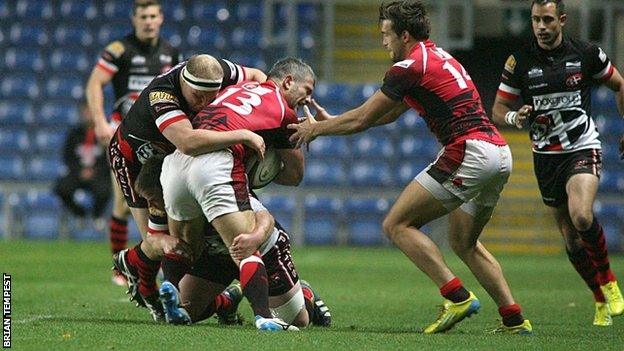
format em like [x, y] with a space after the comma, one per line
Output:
[129, 63]
[553, 75]
[158, 123]
[464, 181]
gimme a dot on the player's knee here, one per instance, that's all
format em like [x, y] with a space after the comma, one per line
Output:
[392, 229]
[582, 221]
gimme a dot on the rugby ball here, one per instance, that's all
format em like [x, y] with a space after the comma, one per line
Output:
[261, 173]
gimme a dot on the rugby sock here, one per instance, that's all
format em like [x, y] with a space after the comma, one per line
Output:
[220, 303]
[146, 268]
[255, 284]
[308, 298]
[174, 267]
[118, 234]
[454, 291]
[512, 315]
[595, 243]
[582, 263]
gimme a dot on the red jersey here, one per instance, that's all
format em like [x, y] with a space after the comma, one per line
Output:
[438, 87]
[260, 108]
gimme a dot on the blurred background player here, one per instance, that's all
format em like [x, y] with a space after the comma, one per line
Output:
[465, 180]
[87, 169]
[554, 74]
[130, 63]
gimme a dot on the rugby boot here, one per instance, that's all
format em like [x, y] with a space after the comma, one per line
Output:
[453, 313]
[273, 324]
[602, 317]
[230, 315]
[121, 264]
[321, 315]
[614, 298]
[170, 300]
[524, 329]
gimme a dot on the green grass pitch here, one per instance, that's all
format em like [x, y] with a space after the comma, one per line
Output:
[63, 300]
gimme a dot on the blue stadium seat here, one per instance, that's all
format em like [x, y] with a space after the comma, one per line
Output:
[24, 59]
[609, 181]
[65, 36]
[28, 10]
[108, 33]
[373, 173]
[13, 140]
[330, 147]
[603, 102]
[609, 124]
[49, 141]
[174, 9]
[281, 207]
[249, 12]
[308, 13]
[408, 170]
[58, 114]
[249, 58]
[206, 38]
[64, 87]
[307, 41]
[411, 121]
[19, 86]
[611, 217]
[42, 225]
[364, 91]
[117, 9]
[31, 35]
[12, 167]
[66, 60]
[371, 146]
[45, 168]
[323, 217]
[16, 112]
[5, 10]
[610, 154]
[73, 10]
[248, 38]
[364, 221]
[172, 35]
[334, 94]
[38, 200]
[210, 11]
[320, 172]
[417, 147]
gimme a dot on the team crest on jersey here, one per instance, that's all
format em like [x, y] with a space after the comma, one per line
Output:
[510, 64]
[535, 72]
[573, 80]
[602, 55]
[574, 64]
[404, 63]
[159, 97]
[138, 60]
[115, 48]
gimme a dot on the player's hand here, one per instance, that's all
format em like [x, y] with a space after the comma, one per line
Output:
[244, 245]
[304, 131]
[255, 142]
[173, 245]
[104, 133]
[321, 113]
[523, 113]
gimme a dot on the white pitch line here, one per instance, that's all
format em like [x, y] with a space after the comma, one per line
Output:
[36, 318]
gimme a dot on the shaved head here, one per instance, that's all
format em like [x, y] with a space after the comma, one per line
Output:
[205, 67]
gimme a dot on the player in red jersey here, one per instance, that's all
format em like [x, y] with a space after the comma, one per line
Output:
[214, 185]
[464, 181]
[158, 123]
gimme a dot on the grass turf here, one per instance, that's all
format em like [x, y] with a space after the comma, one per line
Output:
[63, 300]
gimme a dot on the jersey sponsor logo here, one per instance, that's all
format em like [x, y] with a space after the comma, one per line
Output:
[556, 101]
[573, 80]
[138, 83]
[138, 70]
[535, 72]
[510, 64]
[537, 86]
[165, 58]
[115, 48]
[541, 126]
[159, 97]
[575, 64]
[602, 55]
[404, 63]
[138, 60]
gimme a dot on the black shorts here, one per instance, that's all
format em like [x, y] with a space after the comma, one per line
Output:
[220, 268]
[126, 170]
[554, 170]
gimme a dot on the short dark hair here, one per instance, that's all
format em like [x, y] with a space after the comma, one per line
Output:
[148, 180]
[145, 3]
[558, 3]
[407, 15]
[291, 66]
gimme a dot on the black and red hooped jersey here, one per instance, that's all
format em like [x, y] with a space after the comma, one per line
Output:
[260, 108]
[557, 83]
[133, 64]
[438, 87]
[158, 106]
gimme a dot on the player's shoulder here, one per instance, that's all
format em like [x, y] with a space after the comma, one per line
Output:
[585, 48]
[520, 57]
[116, 48]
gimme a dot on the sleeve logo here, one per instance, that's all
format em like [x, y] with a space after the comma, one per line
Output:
[602, 55]
[115, 48]
[404, 63]
[160, 97]
[510, 64]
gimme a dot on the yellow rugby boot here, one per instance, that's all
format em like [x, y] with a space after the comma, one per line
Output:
[453, 313]
[524, 329]
[602, 318]
[614, 298]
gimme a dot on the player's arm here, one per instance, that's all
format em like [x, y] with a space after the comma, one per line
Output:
[393, 114]
[245, 244]
[616, 83]
[200, 141]
[95, 99]
[254, 74]
[293, 169]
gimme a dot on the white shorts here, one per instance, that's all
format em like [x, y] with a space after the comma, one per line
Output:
[213, 184]
[469, 174]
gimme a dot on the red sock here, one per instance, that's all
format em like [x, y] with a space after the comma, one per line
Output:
[595, 243]
[454, 291]
[174, 267]
[582, 263]
[118, 234]
[255, 284]
[147, 270]
[512, 315]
